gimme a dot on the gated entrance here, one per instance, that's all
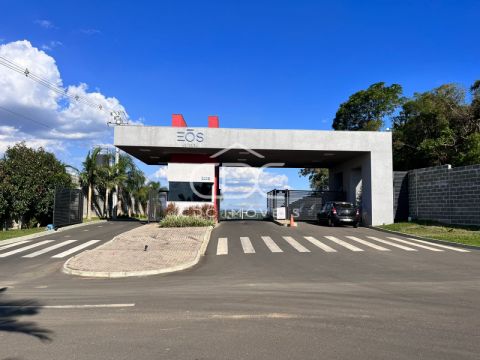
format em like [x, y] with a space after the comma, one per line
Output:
[67, 207]
[157, 201]
[302, 204]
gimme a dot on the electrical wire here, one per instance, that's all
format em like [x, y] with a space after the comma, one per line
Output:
[117, 115]
[25, 117]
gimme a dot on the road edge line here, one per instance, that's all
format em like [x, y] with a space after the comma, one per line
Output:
[441, 242]
[48, 232]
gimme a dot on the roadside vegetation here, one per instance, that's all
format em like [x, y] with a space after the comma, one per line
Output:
[5, 235]
[468, 235]
[185, 221]
[191, 216]
[436, 127]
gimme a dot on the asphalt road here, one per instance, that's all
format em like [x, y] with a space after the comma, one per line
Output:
[273, 302]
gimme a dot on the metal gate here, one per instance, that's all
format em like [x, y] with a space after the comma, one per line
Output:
[157, 201]
[67, 207]
[304, 205]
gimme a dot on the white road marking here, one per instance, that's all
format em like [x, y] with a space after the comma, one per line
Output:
[14, 244]
[295, 244]
[440, 245]
[271, 244]
[366, 243]
[25, 248]
[320, 244]
[247, 245]
[222, 246]
[85, 306]
[343, 243]
[392, 243]
[50, 248]
[85, 230]
[100, 226]
[75, 249]
[413, 244]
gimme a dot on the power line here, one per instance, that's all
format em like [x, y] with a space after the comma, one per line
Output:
[25, 117]
[119, 117]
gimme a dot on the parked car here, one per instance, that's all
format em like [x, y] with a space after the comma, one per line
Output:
[337, 212]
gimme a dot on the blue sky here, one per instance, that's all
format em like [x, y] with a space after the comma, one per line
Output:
[258, 64]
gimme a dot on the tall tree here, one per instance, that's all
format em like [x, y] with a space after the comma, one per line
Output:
[317, 177]
[28, 178]
[367, 109]
[90, 176]
[437, 127]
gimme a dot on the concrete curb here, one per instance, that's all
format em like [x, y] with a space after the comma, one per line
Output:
[442, 242]
[122, 274]
[48, 232]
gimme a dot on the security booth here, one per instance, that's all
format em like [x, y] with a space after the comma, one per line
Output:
[359, 162]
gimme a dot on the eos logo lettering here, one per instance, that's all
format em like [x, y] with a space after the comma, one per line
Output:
[190, 136]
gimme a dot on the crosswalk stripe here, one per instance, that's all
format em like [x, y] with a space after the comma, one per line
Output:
[222, 246]
[366, 243]
[440, 245]
[25, 248]
[343, 243]
[271, 244]
[14, 244]
[392, 243]
[48, 249]
[413, 244]
[75, 249]
[295, 244]
[247, 245]
[320, 244]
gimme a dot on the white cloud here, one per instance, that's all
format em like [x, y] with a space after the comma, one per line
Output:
[47, 24]
[161, 173]
[58, 122]
[52, 45]
[90, 31]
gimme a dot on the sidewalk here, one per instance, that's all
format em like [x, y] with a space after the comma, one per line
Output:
[169, 250]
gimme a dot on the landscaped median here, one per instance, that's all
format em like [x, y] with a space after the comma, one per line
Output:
[466, 235]
[146, 250]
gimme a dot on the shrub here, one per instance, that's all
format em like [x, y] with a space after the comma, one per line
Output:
[185, 221]
[171, 209]
[206, 211]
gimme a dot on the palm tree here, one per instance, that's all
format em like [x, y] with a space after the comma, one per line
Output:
[90, 176]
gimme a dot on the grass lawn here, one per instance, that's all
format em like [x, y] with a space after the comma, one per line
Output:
[9, 234]
[468, 235]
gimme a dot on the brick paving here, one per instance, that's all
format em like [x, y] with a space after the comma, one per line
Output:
[167, 247]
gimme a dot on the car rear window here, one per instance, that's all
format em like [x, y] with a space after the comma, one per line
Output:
[344, 206]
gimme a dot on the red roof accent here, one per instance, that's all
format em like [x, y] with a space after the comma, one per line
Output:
[213, 121]
[178, 120]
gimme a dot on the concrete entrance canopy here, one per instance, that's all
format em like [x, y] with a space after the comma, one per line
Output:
[359, 162]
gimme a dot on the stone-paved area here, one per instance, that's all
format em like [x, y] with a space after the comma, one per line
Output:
[167, 247]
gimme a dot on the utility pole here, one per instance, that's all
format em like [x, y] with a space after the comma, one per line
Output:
[118, 118]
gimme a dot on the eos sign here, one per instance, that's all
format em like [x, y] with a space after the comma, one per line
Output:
[190, 136]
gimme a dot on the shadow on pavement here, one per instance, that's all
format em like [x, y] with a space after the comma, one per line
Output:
[10, 310]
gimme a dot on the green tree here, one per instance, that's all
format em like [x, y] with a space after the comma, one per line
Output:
[367, 109]
[318, 177]
[437, 127]
[90, 176]
[28, 179]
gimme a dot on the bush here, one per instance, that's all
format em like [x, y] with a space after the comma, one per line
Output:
[185, 221]
[171, 209]
[206, 211]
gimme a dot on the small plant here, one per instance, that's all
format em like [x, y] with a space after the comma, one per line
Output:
[171, 209]
[185, 221]
[206, 211]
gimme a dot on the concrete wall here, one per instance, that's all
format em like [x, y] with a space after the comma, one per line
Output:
[445, 194]
[368, 178]
[183, 172]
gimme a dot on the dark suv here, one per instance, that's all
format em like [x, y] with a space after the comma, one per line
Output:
[337, 212]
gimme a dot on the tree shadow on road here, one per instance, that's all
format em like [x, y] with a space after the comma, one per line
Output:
[11, 310]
